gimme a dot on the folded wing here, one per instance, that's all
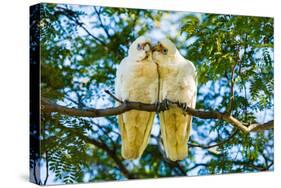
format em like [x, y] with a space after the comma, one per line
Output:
[178, 86]
[136, 82]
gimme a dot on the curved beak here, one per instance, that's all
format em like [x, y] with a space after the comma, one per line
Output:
[157, 47]
[146, 46]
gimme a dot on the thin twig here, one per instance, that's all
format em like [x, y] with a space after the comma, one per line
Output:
[34, 171]
[47, 168]
[231, 103]
[111, 153]
[270, 165]
[114, 97]
[214, 145]
[101, 23]
[71, 15]
[197, 165]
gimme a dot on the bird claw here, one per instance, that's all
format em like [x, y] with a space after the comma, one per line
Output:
[183, 106]
[179, 104]
[164, 105]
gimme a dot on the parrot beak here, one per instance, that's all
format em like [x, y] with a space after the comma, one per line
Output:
[146, 46]
[157, 47]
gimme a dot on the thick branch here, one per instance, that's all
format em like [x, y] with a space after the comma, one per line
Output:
[48, 106]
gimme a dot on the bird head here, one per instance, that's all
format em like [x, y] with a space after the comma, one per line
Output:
[140, 48]
[163, 50]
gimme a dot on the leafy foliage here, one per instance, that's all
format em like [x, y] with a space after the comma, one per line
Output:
[80, 47]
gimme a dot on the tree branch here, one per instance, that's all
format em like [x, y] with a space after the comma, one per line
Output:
[72, 16]
[34, 171]
[48, 106]
[197, 165]
[101, 23]
[104, 147]
[111, 95]
[231, 103]
[214, 145]
[47, 169]
[250, 165]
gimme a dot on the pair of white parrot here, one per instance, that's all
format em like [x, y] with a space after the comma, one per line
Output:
[153, 74]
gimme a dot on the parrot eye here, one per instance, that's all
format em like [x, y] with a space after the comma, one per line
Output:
[139, 47]
[165, 51]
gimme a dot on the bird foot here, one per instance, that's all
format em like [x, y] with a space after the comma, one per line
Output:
[183, 106]
[164, 105]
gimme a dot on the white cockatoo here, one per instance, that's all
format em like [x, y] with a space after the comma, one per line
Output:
[136, 80]
[177, 84]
